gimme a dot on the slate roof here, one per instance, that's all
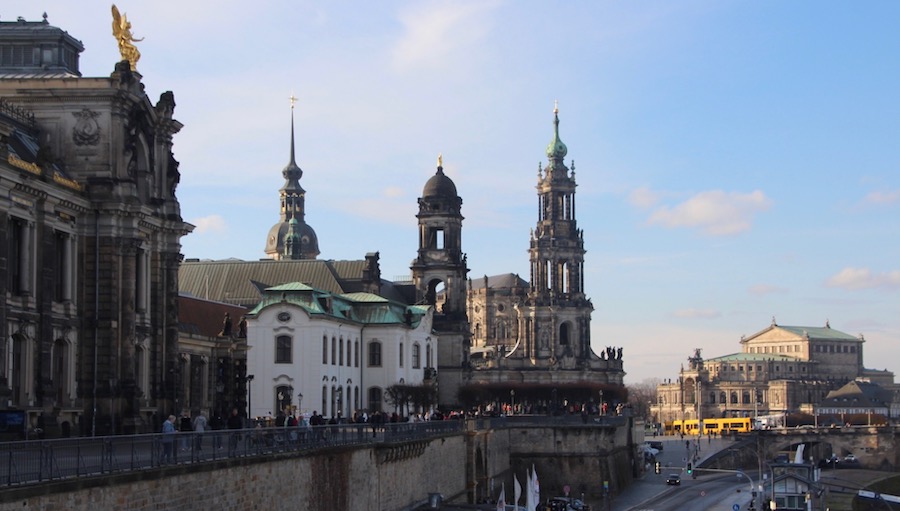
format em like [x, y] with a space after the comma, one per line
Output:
[203, 317]
[858, 393]
[242, 282]
[505, 280]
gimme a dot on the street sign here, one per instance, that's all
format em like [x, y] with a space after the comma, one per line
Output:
[736, 507]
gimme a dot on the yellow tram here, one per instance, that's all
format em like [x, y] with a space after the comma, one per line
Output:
[710, 426]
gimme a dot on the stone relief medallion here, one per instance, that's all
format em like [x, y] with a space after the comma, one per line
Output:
[87, 129]
[284, 317]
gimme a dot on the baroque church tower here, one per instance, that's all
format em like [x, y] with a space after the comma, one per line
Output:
[292, 237]
[556, 313]
[532, 339]
[439, 276]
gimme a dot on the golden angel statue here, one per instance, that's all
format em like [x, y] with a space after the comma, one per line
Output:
[122, 32]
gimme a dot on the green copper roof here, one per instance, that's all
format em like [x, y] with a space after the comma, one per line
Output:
[751, 357]
[290, 286]
[366, 308]
[364, 297]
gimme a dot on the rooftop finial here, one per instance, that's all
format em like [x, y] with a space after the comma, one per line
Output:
[293, 99]
[440, 160]
[555, 106]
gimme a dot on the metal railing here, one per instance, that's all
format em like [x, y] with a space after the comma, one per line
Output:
[32, 462]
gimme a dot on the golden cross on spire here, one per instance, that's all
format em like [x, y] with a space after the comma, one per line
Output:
[293, 99]
[556, 106]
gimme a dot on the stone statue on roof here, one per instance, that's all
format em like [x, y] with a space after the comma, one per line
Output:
[122, 32]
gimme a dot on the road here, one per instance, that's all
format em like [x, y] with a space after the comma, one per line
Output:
[708, 492]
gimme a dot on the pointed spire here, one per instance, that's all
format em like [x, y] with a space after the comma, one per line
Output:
[293, 100]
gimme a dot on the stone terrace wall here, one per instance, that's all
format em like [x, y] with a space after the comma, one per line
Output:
[353, 479]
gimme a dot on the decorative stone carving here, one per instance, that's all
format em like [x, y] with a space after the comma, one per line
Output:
[86, 130]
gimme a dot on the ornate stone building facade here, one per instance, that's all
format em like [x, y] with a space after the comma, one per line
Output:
[781, 369]
[90, 231]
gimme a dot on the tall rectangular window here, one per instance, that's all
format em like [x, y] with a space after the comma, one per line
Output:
[283, 349]
[324, 349]
[401, 355]
[416, 363]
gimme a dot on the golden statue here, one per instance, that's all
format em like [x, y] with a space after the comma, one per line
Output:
[122, 32]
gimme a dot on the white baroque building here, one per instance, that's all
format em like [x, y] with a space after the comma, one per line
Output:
[311, 350]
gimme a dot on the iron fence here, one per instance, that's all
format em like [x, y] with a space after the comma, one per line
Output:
[32, 462]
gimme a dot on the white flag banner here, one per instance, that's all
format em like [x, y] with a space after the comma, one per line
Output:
[501, 502]
[529, 492]
[517, 490]
[535, 487]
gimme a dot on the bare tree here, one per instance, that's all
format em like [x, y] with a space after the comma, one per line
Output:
[641, 396]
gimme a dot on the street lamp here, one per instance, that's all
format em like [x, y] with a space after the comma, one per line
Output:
[512, 399]
[249, 396]
[300, 402]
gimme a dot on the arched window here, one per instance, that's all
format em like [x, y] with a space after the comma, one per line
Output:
[356, 353]
[723, 398]
[283, 349]
[349, 362]
[416, 362]
[712, 398]
[745, 397]
[734, 397]
[428, 362]
[374, 354]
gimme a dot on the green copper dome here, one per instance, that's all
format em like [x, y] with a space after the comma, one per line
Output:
[556, 149]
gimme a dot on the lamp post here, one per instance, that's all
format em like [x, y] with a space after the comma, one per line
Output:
[512, 399]
[249, 396]
[300, 402]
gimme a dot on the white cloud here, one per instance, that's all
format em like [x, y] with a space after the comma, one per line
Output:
[715, 212]
[765, 289]
[435, 33]
[864, 278]
[211, 223]
[697, 314]
[890, 197]
[394, 192]
[643, 197]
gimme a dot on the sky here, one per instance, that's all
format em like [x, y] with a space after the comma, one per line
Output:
[736, 161]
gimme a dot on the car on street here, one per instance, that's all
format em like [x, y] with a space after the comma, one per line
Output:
[673, 480]
[850, 458]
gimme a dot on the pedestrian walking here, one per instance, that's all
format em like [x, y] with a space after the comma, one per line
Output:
[168, 441]
[235, 424]
[200, 426]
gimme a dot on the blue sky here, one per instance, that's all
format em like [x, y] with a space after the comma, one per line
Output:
[736, 161]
